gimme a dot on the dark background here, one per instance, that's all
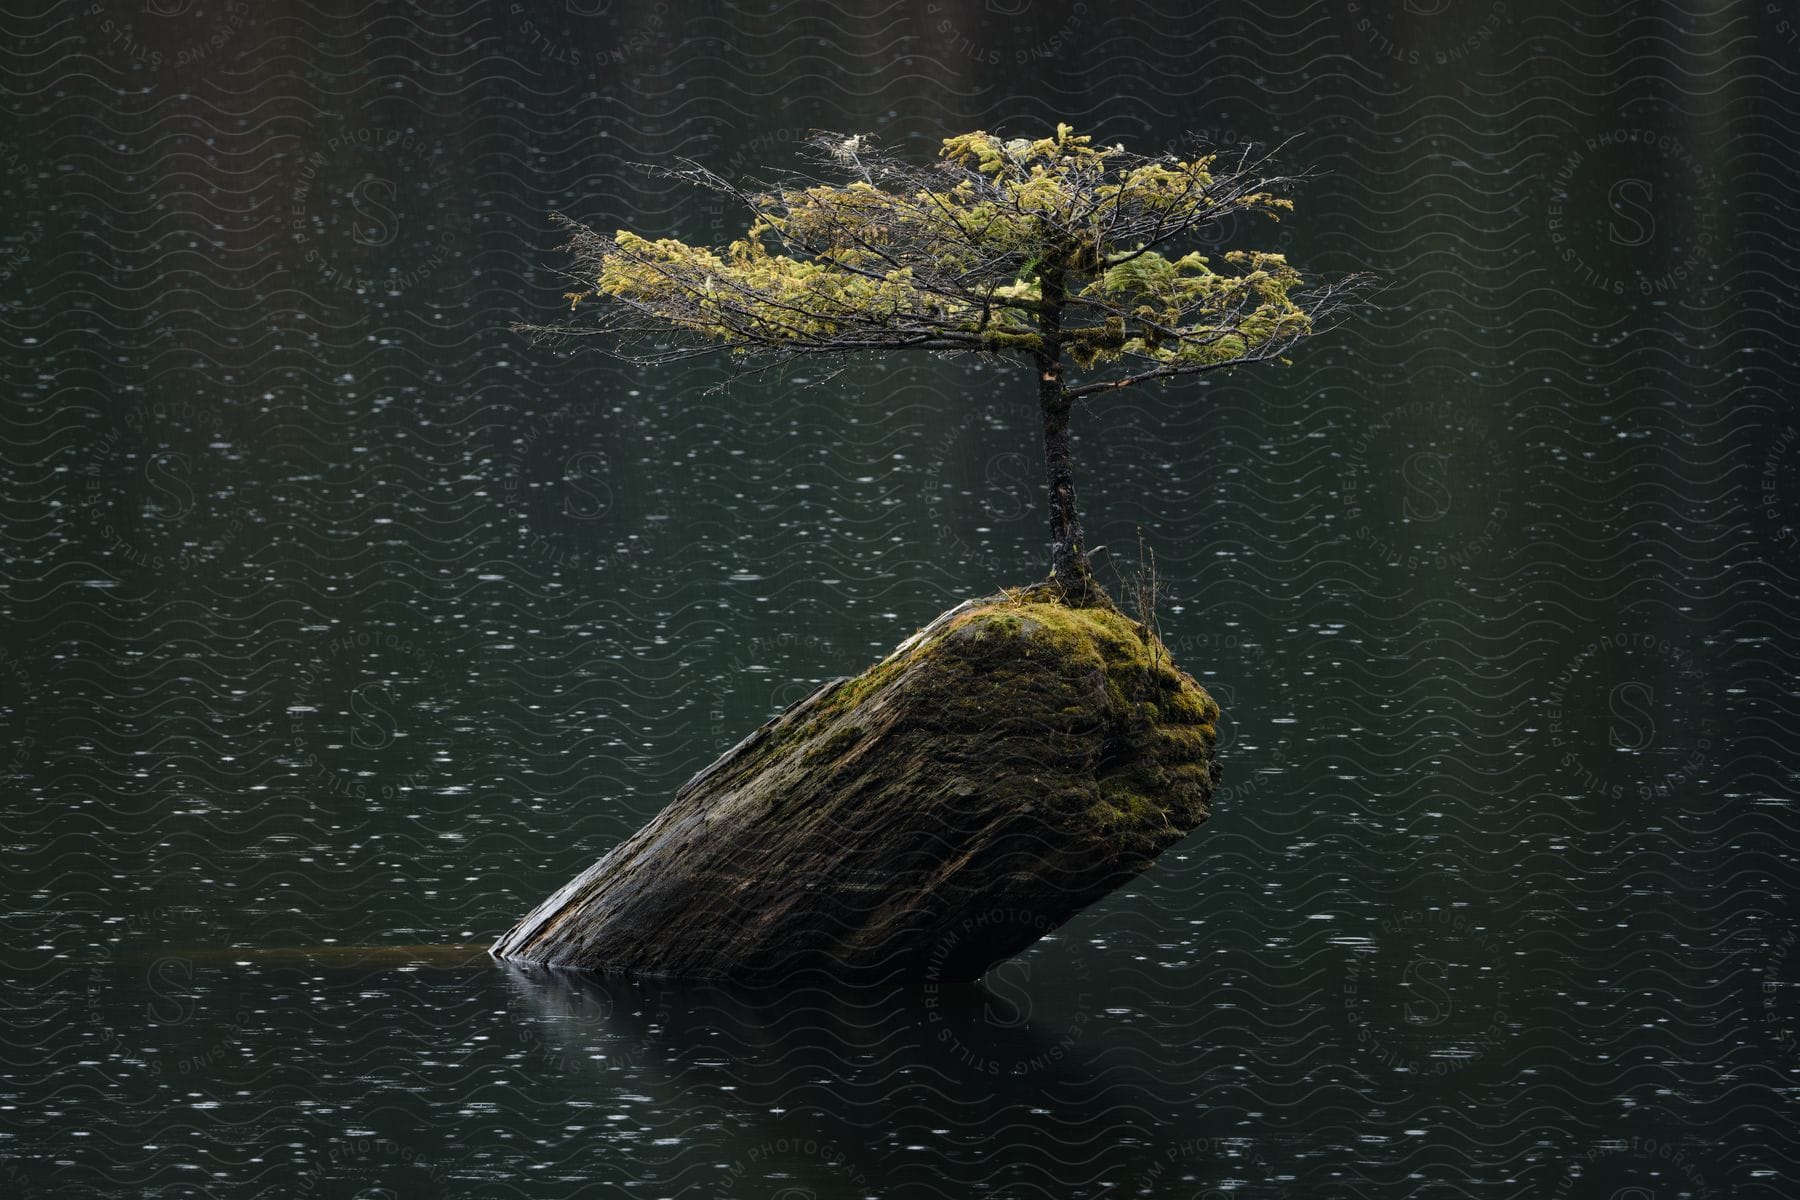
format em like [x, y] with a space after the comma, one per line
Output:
[336, 614]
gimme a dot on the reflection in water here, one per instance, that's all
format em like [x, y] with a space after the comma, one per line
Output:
[847, 1087]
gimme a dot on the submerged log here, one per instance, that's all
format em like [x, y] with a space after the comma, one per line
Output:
[1006, 766]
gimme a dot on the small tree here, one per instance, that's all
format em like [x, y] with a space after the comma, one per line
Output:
[1076, 260]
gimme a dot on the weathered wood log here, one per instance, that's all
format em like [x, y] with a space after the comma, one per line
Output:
[1005, 767]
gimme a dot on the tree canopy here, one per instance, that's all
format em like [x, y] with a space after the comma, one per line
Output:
[969, 254]
[1084, 262]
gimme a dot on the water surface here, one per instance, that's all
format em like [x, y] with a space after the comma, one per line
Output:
[336, 616]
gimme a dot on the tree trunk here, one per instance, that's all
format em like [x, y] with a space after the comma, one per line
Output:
[1005, 767]
[1068, 547]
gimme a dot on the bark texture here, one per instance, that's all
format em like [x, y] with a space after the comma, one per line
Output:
[1068, 544]
[1005, 767]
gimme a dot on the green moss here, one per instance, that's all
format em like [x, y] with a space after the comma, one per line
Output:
[1116, 732]
[845, 735]
[1000, 622]
[1138, 669]
[1121, 807]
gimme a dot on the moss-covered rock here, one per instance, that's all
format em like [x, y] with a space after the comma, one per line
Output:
[1006, 766]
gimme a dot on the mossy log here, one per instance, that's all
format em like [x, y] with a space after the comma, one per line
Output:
[1005, 767]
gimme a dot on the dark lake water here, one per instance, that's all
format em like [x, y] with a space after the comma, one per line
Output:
[336, 616]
